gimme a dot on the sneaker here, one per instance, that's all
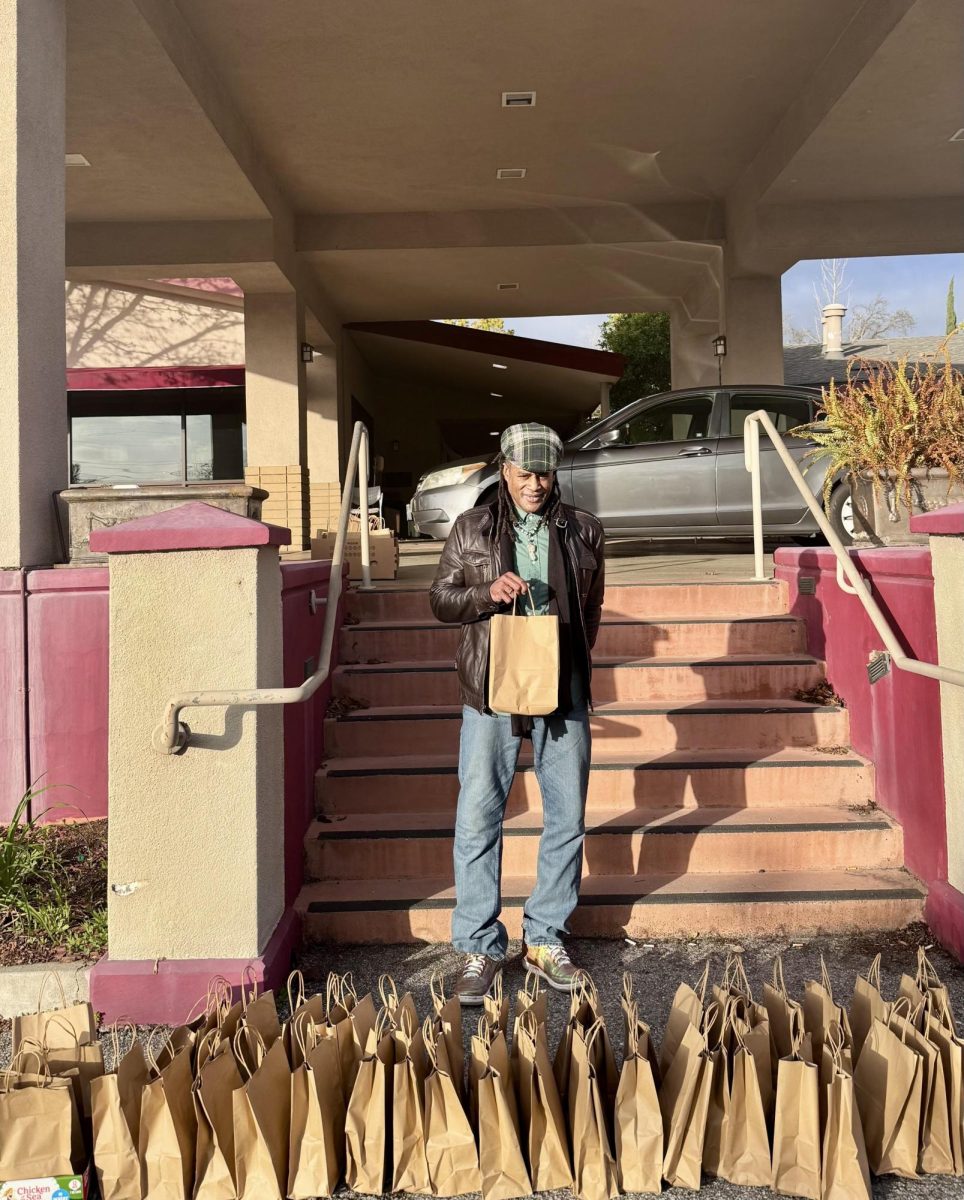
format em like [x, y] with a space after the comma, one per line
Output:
[479, 974]
[554, 965]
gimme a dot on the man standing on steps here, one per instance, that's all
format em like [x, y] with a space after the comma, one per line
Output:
[528, 541]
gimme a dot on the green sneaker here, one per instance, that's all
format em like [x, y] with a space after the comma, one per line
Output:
[554, 965]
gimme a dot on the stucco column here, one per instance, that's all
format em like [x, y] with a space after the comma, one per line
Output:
[753, 324]
[276, 408]
[196, 841]
[692, 360]
[33, 399]
[324, 491]
[946, 530]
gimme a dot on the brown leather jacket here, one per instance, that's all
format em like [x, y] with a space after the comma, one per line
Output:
[471, 560]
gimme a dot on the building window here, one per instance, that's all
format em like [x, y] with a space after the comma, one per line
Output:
[173, 436]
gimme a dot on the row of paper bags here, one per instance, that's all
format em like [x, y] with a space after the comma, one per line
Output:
[804, 1097]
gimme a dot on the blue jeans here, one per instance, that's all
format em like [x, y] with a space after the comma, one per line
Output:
[488, 755]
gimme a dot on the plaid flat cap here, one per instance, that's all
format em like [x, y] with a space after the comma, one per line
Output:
[532, 447]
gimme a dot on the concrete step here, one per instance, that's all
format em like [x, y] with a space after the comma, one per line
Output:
[714, 778]
[729, 598]
[691, 637]
[405, 845]
[653, 728]
[734, 677]
[641, 906]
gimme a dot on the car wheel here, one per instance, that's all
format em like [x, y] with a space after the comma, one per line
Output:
[840, 513]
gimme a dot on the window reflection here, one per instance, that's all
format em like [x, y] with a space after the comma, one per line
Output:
[126, 449]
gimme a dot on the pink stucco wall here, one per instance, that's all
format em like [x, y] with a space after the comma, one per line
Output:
[897, 721]
[13, 717]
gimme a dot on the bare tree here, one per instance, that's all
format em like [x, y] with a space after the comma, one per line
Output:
[877, 319]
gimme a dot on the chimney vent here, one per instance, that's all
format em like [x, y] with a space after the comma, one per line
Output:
[832, 316]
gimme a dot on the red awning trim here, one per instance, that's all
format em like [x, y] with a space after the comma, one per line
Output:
[109, 379]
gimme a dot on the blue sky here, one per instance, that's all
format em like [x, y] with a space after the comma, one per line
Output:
[915, 282]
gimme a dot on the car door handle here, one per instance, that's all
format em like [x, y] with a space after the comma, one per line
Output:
[703, 450]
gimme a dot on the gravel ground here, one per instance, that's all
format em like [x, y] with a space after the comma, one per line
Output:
[656, 972]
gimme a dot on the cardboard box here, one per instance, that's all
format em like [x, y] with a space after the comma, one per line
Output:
[59, 1187]
[382, 546]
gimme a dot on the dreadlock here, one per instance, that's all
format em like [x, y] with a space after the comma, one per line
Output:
[552, 510]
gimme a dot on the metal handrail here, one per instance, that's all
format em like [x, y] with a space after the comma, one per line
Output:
[846, 567]
[172, 736]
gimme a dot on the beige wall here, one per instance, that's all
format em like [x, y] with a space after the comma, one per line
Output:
[196, 862]
[109, 326]
[321, 379]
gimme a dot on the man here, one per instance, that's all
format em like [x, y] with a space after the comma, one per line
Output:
[527, 544]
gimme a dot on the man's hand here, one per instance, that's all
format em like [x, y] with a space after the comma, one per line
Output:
[505, 589]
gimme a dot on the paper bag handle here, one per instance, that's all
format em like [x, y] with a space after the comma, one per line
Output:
[297, 978]
[628, 989]
[43, 987]
[388, 992]
[873, 973]
[779, 983]
[437, 987]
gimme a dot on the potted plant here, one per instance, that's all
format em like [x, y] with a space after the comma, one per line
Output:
[896, 432]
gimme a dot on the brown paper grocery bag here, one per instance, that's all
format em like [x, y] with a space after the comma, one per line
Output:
[523, 664]
[350, 1021]
[115, 1118]
[368, 1138]
[168, 1129]
[746, 1142]
[447, 1023]
[65, 1056]
[797, 1143]
[939, 1031]
[38, 1122]
[936, 1151]
[686, 1010]
[542, 1121]
[75, 1023]
[867, 1006]
[316, 1147]
[409, 1161]
[889, 1085]
[936, 996]
[504, 1174]
[820, 1009]
[584, 1012]
[845, 1174]
[262, 1117]
[639, 1122]
[453, 1157]
[593, 1157]
[530, 999]
[684, 1100]
[218, 1078]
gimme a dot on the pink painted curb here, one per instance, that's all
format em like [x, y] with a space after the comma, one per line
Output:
[171, 990]
[949, 520]
[190, 526]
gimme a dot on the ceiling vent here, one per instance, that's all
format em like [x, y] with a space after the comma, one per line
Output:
[518, 99]
[511, 173]
[957, 137]
[508, 287]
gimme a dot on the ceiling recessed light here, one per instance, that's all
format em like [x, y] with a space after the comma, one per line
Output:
[498, 395]
[75, 160]
[518, 99]
[500, 366]
[508, 287]
[511, 173]
[957, 137]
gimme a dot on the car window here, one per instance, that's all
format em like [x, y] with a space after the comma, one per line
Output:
[786, 412]
[674, 421]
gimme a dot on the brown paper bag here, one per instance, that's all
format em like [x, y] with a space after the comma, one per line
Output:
[168, 1129]
[77, 1061]
[409, 1161]
[495, 1007]
[523, 664]
[867, 1006]
[39, 1129]
[593, 1159]
[584, 1012]
[936, 1152]
[531, 999]
[746, 1143]
[75, 1023]
[889, 1085]
[797, 1144]
[368, 1148]
[639, 1122]
[218, 1078]
[783, 1012]
[684, 1101]
[447, 1024]
[939, 1032]
[686, 1010]
[504, 1174]
[115, 1116]
[845, 1174]
[936, 996]
[262, 1117]
[541, 1118]
[820, 1009]
[316, 1148]
[453, 1158]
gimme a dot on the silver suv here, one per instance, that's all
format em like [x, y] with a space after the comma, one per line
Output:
[667, 466]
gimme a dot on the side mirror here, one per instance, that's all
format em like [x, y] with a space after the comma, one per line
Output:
[612, 437]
